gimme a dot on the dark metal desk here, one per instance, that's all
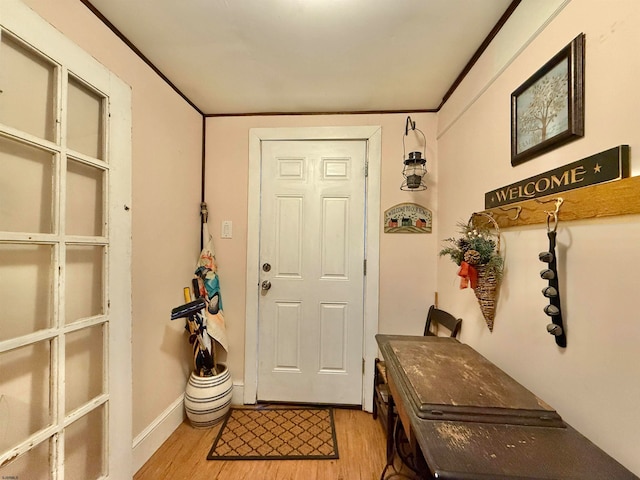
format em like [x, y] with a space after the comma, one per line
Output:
[471, 421]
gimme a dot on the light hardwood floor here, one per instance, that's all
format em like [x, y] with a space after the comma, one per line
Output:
[361, 445]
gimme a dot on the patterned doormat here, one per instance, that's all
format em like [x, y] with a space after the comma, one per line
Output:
[276, 434]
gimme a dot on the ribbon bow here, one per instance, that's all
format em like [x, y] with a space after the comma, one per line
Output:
[468, 274]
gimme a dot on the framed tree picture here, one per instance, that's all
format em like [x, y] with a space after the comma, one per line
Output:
[548, 109]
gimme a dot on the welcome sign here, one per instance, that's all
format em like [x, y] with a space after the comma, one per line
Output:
[612, 164]
[407, 218]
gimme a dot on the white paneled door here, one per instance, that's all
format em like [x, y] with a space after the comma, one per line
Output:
[312, 244]
[65, 233]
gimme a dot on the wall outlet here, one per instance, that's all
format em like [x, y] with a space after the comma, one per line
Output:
[227, 229]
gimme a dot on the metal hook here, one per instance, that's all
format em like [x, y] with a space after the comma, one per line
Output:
[204, 212]
[517, 208]
[558, 201]
[410, 124]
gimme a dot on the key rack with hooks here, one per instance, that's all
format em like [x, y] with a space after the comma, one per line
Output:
[621, 197]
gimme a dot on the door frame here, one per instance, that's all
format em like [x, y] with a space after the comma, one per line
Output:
[372, 135]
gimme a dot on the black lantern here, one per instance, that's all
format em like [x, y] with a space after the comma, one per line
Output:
[415, 164]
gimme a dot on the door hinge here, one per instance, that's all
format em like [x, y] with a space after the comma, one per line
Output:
[366, 169]
[363, 366]
[364, 266]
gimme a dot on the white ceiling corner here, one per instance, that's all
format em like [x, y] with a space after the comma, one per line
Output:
[302, 56]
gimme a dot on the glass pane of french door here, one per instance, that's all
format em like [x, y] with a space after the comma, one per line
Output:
[28, 80]
[54, 251]
[26, 187]
[85, 119]
[26, 392]
[84, 359]
[84, 215]
[33, 464]
[25, 268]
[84, 282]
[83, 452]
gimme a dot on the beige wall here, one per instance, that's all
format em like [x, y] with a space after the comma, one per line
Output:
[407, 262]
[167, 138]
[594, 382]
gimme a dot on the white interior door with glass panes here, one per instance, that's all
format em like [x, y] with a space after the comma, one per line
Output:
[65, 309]
[310, 331]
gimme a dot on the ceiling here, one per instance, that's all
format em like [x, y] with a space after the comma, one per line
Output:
[306, 56]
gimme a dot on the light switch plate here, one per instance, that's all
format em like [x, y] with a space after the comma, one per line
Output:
[227, 229]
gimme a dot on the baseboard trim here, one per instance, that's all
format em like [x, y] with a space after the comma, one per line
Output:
[149, 440]
[237, 398]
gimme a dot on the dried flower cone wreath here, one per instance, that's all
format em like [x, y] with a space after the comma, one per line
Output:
[477, 252]
[487, 293]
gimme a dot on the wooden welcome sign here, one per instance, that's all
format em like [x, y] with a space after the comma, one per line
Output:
[612, 164]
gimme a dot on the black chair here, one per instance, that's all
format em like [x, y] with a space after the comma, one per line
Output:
[436, 319]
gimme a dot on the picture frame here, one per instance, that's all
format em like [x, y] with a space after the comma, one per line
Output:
[547, 110]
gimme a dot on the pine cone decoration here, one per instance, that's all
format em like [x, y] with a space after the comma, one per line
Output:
[472, 257]
[464, 244]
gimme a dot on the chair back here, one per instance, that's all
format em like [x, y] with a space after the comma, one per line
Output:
[437, 317]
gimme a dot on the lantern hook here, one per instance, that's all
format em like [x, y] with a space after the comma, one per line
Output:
[410, 123]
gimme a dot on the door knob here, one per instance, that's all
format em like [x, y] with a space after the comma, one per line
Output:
[266, 285]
